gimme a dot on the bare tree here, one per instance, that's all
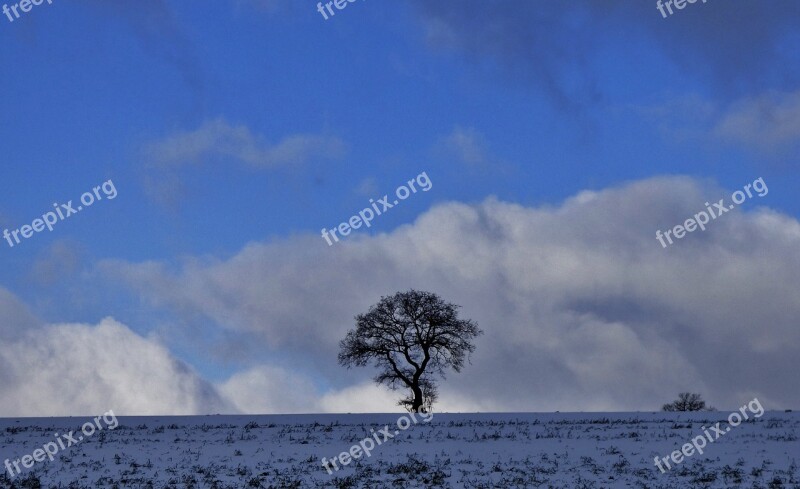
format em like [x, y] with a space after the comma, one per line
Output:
[687, 402]
[410, 337]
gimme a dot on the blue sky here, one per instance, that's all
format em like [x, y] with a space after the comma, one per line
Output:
[235, 131]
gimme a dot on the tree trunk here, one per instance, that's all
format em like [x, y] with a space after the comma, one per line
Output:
[416, 404]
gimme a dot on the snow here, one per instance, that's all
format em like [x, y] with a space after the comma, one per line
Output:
[580, 450]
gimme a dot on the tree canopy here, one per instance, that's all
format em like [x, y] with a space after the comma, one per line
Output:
[410, 337]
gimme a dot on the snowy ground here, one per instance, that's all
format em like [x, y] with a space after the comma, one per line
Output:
[568, 450]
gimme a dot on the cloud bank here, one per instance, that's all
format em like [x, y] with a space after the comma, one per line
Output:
[582, 307]
[80, 369]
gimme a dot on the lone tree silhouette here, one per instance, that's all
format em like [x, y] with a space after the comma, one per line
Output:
[410, 337]
[687, 401]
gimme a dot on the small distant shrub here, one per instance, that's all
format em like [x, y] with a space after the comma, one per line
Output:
[687, 401]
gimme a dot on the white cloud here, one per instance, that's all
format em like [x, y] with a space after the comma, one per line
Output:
[78, 369]
[219, 140]
[365, 397]
[16, 317]
[368, 187]
[768, 122]
[771, 120]
[267, 389]
[468, 145]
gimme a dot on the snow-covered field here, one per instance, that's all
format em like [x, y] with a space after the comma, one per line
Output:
[559, 450]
